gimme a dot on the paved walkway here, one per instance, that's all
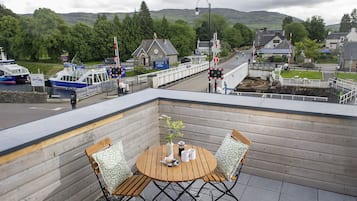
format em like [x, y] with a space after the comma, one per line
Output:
[254, 188]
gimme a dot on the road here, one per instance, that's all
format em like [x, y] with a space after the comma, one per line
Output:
[199, 82]
[16, 114]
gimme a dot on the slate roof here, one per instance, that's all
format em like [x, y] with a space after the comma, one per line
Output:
[336, 36]
[262, 37]
[274, 51]
[165, 45]
[349, 51]
[283, 45]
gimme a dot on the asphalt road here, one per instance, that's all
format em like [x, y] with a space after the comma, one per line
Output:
[199, 82]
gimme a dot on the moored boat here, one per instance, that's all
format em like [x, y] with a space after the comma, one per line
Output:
[77, 76]
[12, 73]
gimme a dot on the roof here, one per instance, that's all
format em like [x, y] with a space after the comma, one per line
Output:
[262, 37]
[336, 36]
[283, 45]
[164, 44]
[274, 51]
[349, 51]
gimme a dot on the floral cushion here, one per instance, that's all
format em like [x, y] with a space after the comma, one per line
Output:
[113, 166]
[229, 155]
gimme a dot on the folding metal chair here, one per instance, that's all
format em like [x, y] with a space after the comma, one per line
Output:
[217, 179]
[131, 187]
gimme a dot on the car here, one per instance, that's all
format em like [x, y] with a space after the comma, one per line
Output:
[185, 60]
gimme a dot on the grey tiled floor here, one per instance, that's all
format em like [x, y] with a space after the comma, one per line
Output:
[253, 188]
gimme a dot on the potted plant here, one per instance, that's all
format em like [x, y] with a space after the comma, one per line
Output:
[173, 131]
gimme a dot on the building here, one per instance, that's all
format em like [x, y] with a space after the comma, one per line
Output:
[268, 38]
[155, 50]
[282, 50]
[348, 58]
[203, 46]
[352, 36]
[335, 41]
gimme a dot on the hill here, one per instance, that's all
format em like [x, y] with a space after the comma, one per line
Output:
[255, 19]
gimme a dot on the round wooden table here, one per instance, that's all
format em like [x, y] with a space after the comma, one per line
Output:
[148, 163]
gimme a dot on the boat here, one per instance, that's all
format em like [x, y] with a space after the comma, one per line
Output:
[12, 73]
[77, 76]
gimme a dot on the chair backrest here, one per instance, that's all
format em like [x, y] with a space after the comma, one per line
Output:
[105, 143]
[240, 137]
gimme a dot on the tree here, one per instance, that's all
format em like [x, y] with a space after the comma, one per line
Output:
[183, 37]
[287, 20]
[354, 18]
[146, 22]
[345, 24]
[104, 32]
[130, 36]
[218, 24]
[233, 37]
[309, 47]
[9, 35]
[81, 42]
[316, 28]
[297, 30]
[246, 33]
[6, 12]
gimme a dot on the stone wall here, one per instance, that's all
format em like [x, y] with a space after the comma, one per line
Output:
[22, 97]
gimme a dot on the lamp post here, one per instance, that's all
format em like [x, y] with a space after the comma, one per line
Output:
[197, 12]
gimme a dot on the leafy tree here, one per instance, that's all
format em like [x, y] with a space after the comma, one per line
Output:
[354, 18]
[146, 22]
[309, 47]
[287, 20]
[246, 33]
[81, 42]
[130, 36]
[218, 24]
[104, 32]
[6, 12]
[10, 30]
[298, 31]
[183, 37]
[345, 24]
[316, 28]
[164, 28]
[233, 37]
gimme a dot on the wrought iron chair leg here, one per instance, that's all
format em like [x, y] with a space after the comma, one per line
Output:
[198, 193]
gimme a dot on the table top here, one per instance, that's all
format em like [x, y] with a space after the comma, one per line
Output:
[148, 163]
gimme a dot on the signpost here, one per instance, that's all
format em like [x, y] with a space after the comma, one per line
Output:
[37, 80]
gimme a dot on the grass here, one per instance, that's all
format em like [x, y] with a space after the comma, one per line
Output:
[347, 76]
[301, 74]
[47, 69]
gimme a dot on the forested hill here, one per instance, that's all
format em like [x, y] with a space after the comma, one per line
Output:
[255, 19]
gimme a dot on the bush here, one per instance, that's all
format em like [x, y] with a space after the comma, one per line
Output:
[308, 65]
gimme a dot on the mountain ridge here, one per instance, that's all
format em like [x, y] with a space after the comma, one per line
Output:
[253, 19]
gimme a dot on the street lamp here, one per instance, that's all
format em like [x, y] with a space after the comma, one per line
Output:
[197, 12]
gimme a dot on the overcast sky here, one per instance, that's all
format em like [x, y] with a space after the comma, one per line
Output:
[330, 10]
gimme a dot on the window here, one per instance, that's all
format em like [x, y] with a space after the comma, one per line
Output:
[276, 41]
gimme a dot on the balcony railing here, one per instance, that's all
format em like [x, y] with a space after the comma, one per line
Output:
[307, 143]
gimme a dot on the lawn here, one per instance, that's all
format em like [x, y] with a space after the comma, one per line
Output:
[47, 69]
[347, 76]
[301, 74]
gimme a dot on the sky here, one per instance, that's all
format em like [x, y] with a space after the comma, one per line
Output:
[330, 10]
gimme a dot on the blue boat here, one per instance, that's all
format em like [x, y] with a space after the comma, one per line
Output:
[12, 73]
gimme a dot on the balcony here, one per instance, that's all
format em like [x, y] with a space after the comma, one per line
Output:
[296, 145]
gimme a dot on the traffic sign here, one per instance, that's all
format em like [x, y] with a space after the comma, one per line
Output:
[215, 60]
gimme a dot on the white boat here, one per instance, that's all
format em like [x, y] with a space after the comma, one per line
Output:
[75, 76]
[10, 72]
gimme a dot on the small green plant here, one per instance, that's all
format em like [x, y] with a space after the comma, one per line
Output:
[173, 128]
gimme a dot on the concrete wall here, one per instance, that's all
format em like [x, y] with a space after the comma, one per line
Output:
[59, 170]
[22, 97]
[303, 149]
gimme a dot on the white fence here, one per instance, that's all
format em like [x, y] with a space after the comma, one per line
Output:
[283, 96]
[233, 78]
[348, 88]
[92, 90]
[303, 82]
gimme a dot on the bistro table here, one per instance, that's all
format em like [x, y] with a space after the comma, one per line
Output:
[148, 163]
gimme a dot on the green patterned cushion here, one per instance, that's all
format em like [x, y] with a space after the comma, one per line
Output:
[113, 166]
[229, 155]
